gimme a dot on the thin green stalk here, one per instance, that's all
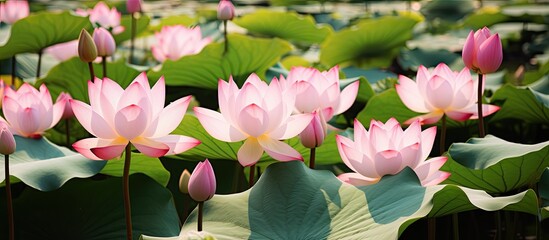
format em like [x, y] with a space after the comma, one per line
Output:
[455, 225]
[39, 64]
[481, 131]
[9, 198]
[132, 42]
[312, 158]
[200, 216]
[252, 176]
[90, 67]
[68, 132]
[225, 37]
[104, 62]
[13, 68]
[126, 189]
[236, 176]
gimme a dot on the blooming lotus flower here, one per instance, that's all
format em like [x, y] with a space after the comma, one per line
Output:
[30, 112]
[319, 93]
[482, 51]
[13, 10]
[202, 182]
[7, 142]
[259, 113]
[63, 51]
[442, 92]
[67, 111]
[104, 42]
[386, 150]
[174, 42]
[102, 16]
[225, 10]
[135, 115]
[134, 6]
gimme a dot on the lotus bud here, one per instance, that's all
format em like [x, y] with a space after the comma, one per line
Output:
[7, 141]
[134, 6]
[202, 182]
[184, 181]
[313, 135]
[482, 51]
[104, 42]
[67, 112]
[225, 10]
[87, 51]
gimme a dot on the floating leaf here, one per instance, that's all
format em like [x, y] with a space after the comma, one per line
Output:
[46, 166]
[286, 25]
[245, 55]
[495, 165]
[293, 201]
[485, 16]
[41, 30]
[91, 209]
[371, 43]
[412, 59]
[140, 163]
[521, 103]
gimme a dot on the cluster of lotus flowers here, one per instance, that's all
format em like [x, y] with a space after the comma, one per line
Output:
[259, 114]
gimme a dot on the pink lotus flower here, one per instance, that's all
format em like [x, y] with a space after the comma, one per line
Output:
[319, 93]
[202, 182]
[135, 115]
[67, 111]
[482, 51]
[102, 16]
[7, 142]
[225, 10]
[104, 42]
[258, 113]
[13, 10]
[441, 92]
[63, 51]
[174, 42]
[386, 150]
[134, 6]
[30, 112]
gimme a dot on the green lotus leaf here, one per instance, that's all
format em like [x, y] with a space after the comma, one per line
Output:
[93, 209]
[286, 25]
[291, 201]
[387, 104]
[485, 16]
[526, 104]
[46, 166]
[245, 55]
[142, 25]
[140, 163]
[543, 187]
[495, 165]
[172, 20]
[41, 30]
[412, 59]
[370, 43]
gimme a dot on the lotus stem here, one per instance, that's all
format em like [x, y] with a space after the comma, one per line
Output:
[200, 216]
[481, 131]
[126, 189]
[455, 225]
[443, 135]
[236, 176]
[431, 228]
[312, 158]
[39, 64]
[13, 68]
[498, 225]
[225, 37]
[104, 62]
[90, 67]
[8, 197]
[252, 176]
[68, 132]
[132, 40]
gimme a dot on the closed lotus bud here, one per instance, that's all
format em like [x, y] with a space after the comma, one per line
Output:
[313, 135]
[184, 181]
[67, 112]
[225, 10]
[7, 142]
[104, 42]
[482, 51]
[134, 6]
[202, 182]
[87, 51]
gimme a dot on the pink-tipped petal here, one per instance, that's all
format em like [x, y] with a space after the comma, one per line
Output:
[439, 92]
[294, 125]
[217, 126]
[279, 150]
[130, 121]
[100, 149]
[429, 118]
[150, 148]
[170, 117]
[427, 140]
[313, 135]
[357, 179]
[409, 93]
[388, 162]
[468, 53]
[490, 54]
[428, 171]
[435, 178]
[487, 109]
[57, 111]
[459, 116]
[91, 121]
[347, 97]
[250, 152]
[177, 143]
